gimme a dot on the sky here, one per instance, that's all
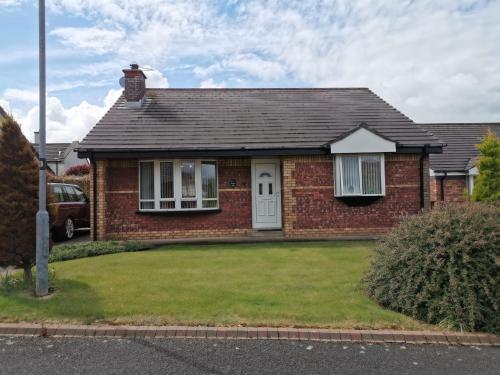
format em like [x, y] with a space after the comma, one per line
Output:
[434, 60]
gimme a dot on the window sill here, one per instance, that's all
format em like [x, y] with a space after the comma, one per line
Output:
[178, 212]
[359, 200]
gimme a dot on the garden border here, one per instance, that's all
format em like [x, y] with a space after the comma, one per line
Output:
[338, 335]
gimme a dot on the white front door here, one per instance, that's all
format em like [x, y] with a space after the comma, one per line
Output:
[266, 187]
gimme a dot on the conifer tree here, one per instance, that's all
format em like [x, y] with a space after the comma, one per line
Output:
[487, 186]
[18, 198]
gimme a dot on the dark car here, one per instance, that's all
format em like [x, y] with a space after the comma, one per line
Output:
[71, 210]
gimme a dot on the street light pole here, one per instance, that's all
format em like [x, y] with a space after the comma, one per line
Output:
[42, 216]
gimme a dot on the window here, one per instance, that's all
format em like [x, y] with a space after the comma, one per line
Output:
[58, 193]
[178, 185]
[147, 185]
[209, 184]
[188, 184]
[167, 199]
[359, 175]
[70, 194]
[80, 196]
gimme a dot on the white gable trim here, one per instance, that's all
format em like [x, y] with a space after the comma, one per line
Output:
[474, 171]
[362, 141]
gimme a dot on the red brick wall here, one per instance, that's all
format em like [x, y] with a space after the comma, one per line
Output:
[123, 220]
[435, 189]
[311, 209]
[455, 188]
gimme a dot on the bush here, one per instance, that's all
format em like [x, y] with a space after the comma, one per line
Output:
[442, 267]
[18, 198]
[487, 186]
[78, 170]
[91, 249]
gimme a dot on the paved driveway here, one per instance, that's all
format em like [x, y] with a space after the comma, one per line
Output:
[81, 235]
[190, 356]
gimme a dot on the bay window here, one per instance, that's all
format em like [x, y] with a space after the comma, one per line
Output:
[209, 184]
[167, 199]
[177, 185]
[359, 175]
[147, 191]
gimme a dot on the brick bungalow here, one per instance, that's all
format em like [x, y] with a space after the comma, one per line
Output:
[453, 172]
[205, 163]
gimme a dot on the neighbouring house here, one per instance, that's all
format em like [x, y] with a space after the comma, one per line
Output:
[60, 156]
[453, 172]
[302, 163]
[2, 113]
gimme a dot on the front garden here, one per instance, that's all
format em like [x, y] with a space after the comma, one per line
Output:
[303, 284]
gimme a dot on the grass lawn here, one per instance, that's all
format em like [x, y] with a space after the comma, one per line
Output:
[310, 284]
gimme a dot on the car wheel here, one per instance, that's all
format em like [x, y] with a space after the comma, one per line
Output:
[69, 229]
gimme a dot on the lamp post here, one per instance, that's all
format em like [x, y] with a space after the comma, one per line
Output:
[42, 216]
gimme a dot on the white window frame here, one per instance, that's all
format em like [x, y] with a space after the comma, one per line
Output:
[338, 175]
[154, 187]
[178, 186]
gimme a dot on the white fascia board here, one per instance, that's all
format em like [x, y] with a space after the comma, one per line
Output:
[440, 174]
[362, 141]
[473, 171]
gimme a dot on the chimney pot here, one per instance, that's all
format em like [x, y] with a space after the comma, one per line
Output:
[134, 66]
[37, 138]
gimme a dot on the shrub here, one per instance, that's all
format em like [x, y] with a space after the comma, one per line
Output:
[131, 246]
[442, 267]
[487, 186]
[91, 249]
[78, 170]
[18, 198]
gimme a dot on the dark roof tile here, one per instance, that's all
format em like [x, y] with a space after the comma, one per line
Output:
[461, 139]
[54, 151]
[217, 119]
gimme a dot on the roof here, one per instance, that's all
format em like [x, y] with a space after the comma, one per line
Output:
[54, 151]
[2, 112]
[250, 119]
[461, 139]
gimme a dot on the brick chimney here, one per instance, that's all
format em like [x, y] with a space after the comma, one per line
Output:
[135, 85]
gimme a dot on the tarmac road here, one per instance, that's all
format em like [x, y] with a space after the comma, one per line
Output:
[25, 355]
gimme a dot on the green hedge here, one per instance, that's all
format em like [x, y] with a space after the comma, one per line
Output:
[90, 249]
[442, 267]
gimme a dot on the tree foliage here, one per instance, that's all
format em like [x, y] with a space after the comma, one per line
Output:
[78, 170]
[18, 198]
[487, 186]
[442, 267]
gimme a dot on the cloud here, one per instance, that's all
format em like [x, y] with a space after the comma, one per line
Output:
[10, 3]
[111, 98]
[155, 78]
[5, 105]
[434, 60]
[26, 96]
[91, 39]
[210, 84]
[63, 124]
[247, 63]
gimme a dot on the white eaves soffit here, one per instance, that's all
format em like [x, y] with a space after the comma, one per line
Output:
[362, 141]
